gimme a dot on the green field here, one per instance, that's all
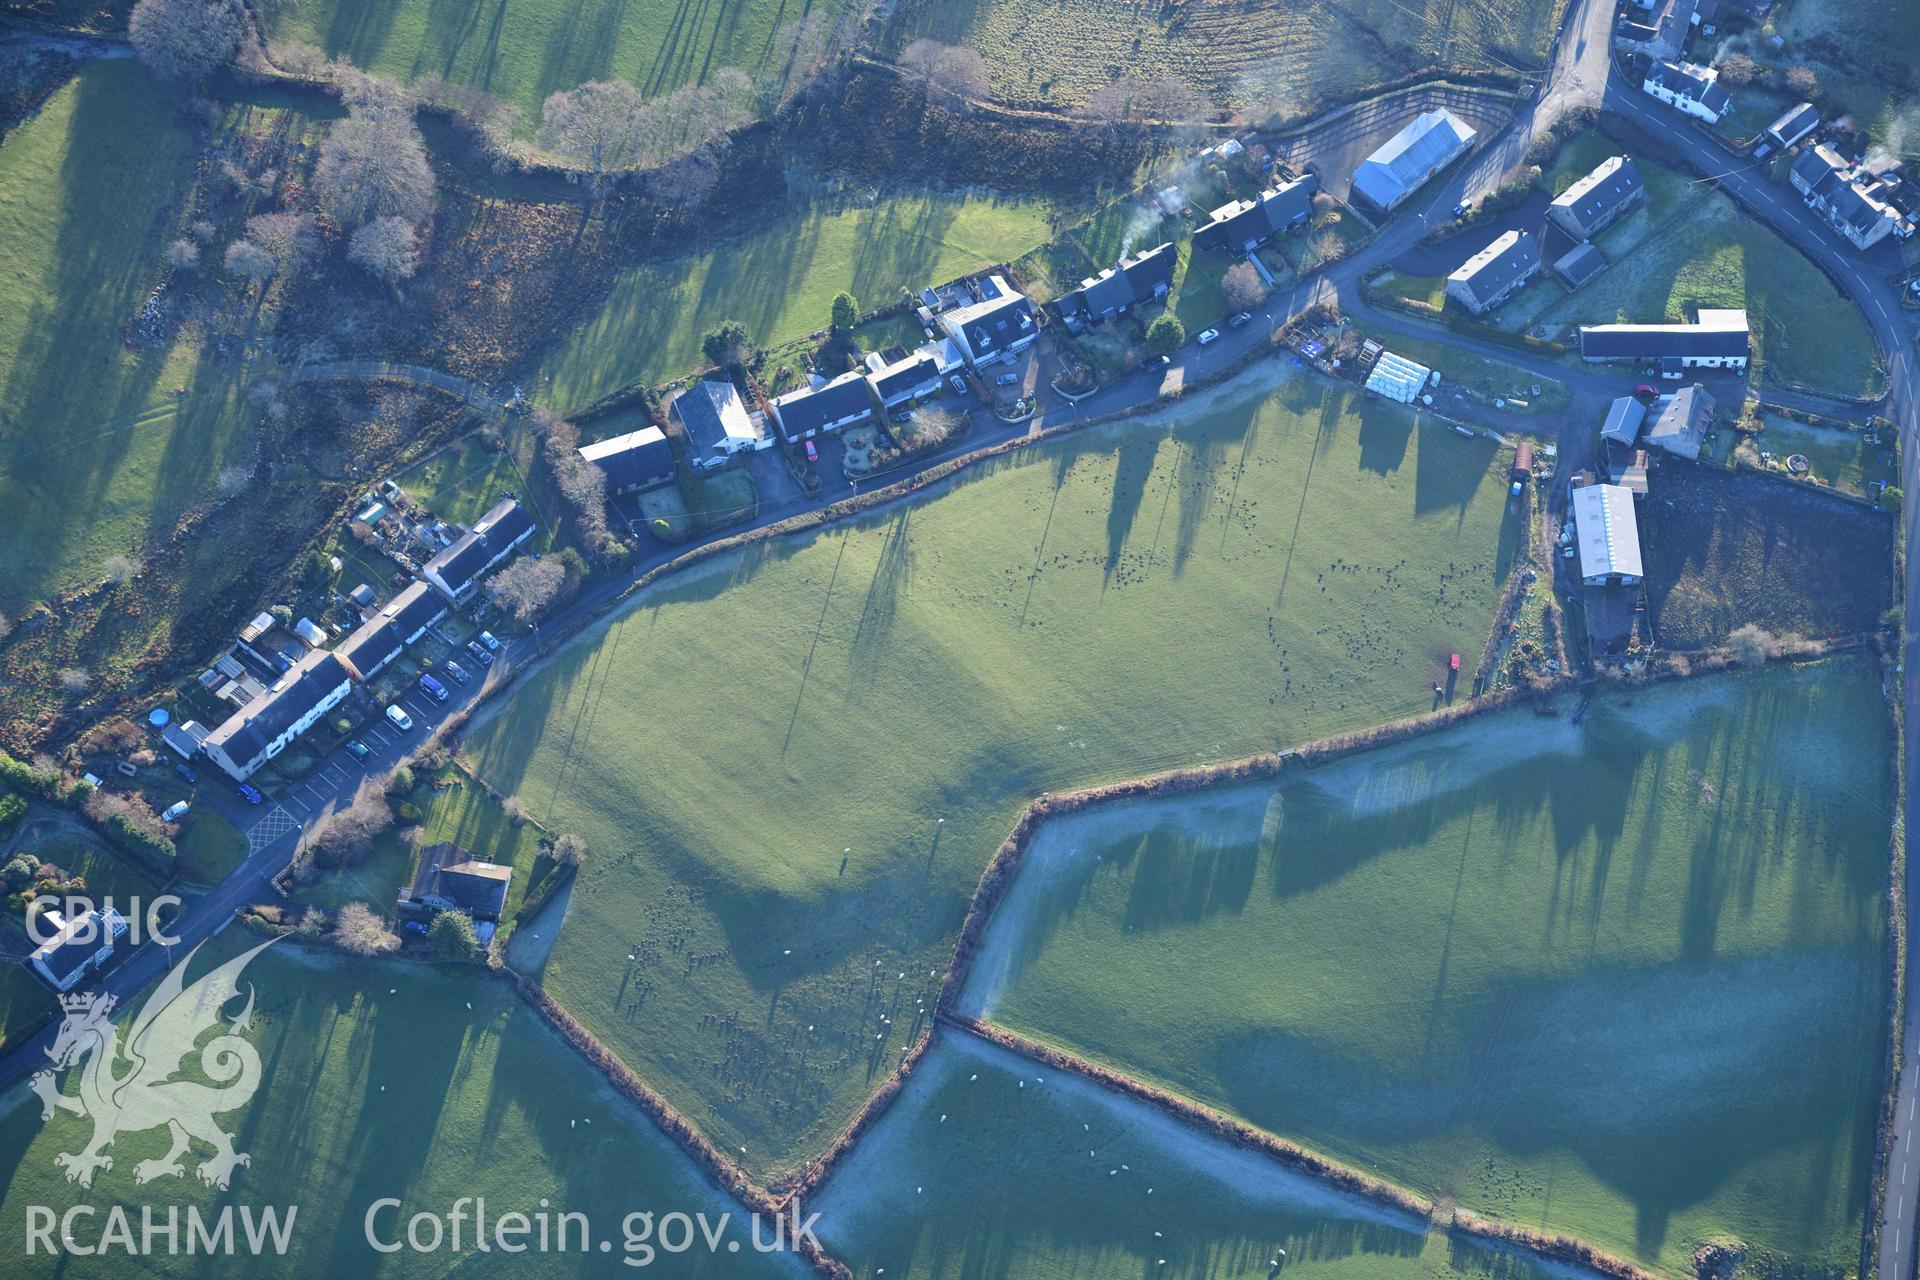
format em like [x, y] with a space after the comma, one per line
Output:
[380, 1081]
[780, 283]
[1623, 980]
[991, 1165]
[523, 50]
[25, 1002]
[1280, 55]
[96, 448]
[1865, 62]
[792, 764]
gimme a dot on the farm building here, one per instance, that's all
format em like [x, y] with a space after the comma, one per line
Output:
[1628, 469]
[1580, 264]
[1716, 339]
[400, 622]
[1429, 143]
[268, 724]
[1244, 225]
[78, 946]
[1690, 88]
[637, 460]
[903, 381]
[1624, 417]
[1491, 276]
[456, 570]
[714, 417]
[1678, 423]
[828, 407]
[1594, 203]
[1522, 468]
[1793, 125]
[1144, 277]
[1608, 537]
[1397, 378]
[997, 327]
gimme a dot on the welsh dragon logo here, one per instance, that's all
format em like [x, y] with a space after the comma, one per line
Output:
[130, 1081]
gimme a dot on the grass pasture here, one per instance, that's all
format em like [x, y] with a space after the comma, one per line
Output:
[792, 763]
[1866, 52]
[523, 50]
[380, 1081]
[990, 1165]
[780, 282]
[1724, 548]
[96, 447]
[1622, 980]
[1279, 55]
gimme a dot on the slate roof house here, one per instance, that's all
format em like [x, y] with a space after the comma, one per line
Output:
[1608, 534]
[1596, 202]
[1793, 125]
[1144, 277]
[1678, 423]
[1848, 197]
[1659, 30]
[1429, 143]
[270, 722]
[828, 407]
[456, 570]
[451, 879]
[1580, 264]
[78, 946]
[903, 381]
[1244, 225]
[1624, 417]
[637, 460]
[1491, 276]
[1690, 88]
[381, 638]
[713, 415]
[997, 327]
[1717, 339]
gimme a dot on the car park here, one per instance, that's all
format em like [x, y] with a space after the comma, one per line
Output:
[358, 749]
[958, 383]
[458, 672]
[248, 792]
[434, 689]
[399, 718]
[1243, 318]
[187, 775]
[1208, 336]
[479, 652]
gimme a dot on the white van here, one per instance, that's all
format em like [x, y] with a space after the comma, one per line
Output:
[401, 720]
[175, 811]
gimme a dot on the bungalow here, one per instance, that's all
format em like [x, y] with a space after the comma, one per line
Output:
[1691, 88]
[266, 726]
[1242, 226]
[1596, 202]
[1717, 339]
[78, 947]
[715, 418]
[1146, 276]
[1429, 143]
[998, 327]
[828, 407]
[1793, 125]
[1491, 276]
[637, 460]
[1608, 536]
[400, 622]
[456, 570]
[903, 381]
[451, 879]
[1678, 423]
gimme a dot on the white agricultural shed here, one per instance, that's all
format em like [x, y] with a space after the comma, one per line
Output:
[1609, 537]
[1398, 378]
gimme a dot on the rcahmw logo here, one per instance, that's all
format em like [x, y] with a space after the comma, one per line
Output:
[127, 1086]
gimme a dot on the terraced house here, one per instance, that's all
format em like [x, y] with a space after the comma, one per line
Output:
[1851, 198]
[456, 571]
[1242, 226]
[1494, 274]
[268, 725]
[1146, 276]
[1597, 201]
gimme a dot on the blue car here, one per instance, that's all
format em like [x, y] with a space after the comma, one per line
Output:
[249, 794]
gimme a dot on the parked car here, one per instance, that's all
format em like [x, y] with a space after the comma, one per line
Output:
[248, 792]
[813, 454]
[1647, 391]
[186, 775]
[434, 688]
[486, 638]
[1244, 317]
[479, 652]
[1208, 336]
[416, 926]
[458, 672]
[358, 749]
[1462, 209]
[1006, 380]
[401, 720]
[958, 383]
[174, 812]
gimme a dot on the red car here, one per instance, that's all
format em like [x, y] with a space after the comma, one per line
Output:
[1647, 391]
[1453, 663]
[813, 454]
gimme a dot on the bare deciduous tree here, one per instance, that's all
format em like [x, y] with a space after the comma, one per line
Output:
[527, 586]
[1243, 286]
[600, 125]
[290, 237]
[386, 247]
[952, 73]
[74, 679]
[185, 40]
[182, 255]
[250, 262]
[233, 479]
[568, 850]
[343, 836]
[374, 167]
[359, 930]
[120, 570]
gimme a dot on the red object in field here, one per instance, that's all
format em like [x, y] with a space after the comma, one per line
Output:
[1453, 663]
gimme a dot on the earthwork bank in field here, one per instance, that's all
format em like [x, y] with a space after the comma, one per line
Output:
[792, 764]
[1623, 980]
